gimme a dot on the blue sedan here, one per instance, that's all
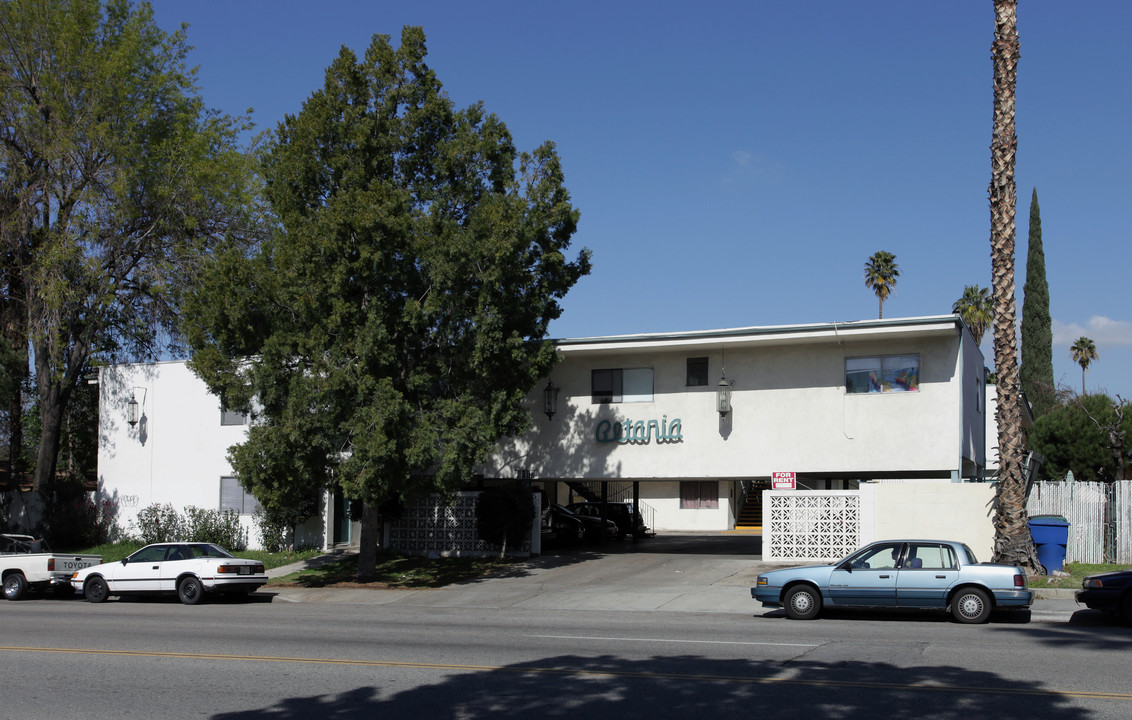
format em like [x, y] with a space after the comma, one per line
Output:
[899, 574]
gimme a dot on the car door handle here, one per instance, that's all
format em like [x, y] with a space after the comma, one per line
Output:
[156, 566]
[940, 577]
[885, 576]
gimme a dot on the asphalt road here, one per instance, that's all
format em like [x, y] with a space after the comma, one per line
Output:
[148, 659]
[530, 645]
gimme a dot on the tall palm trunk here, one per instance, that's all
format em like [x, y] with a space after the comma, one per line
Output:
[1013, 542]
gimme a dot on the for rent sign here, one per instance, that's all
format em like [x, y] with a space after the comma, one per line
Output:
[783, 481]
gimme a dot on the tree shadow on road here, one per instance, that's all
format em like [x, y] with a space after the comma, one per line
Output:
[680, 687]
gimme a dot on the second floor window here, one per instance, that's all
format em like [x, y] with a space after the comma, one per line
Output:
[617, 385]
[882, 374]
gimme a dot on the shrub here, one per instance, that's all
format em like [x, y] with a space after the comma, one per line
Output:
[504, 515]
[160, 523]
[276, 526]
[221, 527]
[72, 519]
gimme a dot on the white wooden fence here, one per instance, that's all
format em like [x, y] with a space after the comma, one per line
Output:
[1099, 515]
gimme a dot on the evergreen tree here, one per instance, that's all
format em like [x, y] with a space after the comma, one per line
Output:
[1036, 370]
[385, 338]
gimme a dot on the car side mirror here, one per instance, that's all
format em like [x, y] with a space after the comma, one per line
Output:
[847, 566]
[125, 560]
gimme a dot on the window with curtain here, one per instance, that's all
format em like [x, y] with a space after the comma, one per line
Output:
[699, 494]
[882, 374]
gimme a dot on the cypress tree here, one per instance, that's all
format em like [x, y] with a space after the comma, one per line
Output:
[1037, 333]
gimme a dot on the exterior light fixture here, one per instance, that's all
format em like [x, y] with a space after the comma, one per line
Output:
[550, 399]
[723, 396]
[132, 411]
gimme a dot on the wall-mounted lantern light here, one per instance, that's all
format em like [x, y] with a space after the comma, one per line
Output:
[723, 396]
[132, 411]
[550, 399]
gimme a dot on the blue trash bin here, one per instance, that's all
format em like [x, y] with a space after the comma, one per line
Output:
[1051, 536]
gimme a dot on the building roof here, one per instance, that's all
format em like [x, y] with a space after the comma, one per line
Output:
[770, 335]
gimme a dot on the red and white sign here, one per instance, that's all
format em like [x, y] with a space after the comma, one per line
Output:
[783, 481]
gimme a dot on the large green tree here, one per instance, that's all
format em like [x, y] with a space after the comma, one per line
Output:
[1088, 435]
[116, 180]
[1013, 542]
[881, 272]
[1036, 371]
[384, 339]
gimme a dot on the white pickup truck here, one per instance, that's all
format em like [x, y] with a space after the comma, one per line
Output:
[27, 564]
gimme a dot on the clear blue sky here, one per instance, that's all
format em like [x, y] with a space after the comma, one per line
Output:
[737, 163]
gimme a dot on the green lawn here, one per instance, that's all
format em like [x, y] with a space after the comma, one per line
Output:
[393, 570]
[397, 571]
[1077, 573]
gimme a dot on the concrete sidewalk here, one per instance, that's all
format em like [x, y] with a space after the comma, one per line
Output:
[702, 574]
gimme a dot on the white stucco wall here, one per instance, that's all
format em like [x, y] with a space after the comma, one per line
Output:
[930, 511]
[175, 455]
[791, 412]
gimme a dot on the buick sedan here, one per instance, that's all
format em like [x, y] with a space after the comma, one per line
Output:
[188, 569]
[899, 574]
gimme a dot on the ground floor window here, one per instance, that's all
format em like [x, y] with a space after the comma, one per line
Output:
[699, 494]
[234, 497]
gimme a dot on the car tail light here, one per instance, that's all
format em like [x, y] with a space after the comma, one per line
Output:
[50, 564]
[228, 569]
[1019, 581]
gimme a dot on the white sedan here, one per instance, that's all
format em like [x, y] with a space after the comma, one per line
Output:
[186, 568]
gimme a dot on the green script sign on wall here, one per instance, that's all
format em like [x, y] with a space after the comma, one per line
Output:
[640, 432]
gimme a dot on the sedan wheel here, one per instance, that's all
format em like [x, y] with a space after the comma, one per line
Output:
[96, 590]
[971, 606]
[190, 591]
[802, 602]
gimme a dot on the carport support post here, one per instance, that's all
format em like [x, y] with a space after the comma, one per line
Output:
[636, 507]
[604, 509]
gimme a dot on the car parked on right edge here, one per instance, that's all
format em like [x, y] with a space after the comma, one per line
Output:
[1109, 592]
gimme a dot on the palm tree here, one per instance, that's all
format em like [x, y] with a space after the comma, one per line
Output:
[881, 272]
[1012, 540]
[975, 309]
[1084, 352]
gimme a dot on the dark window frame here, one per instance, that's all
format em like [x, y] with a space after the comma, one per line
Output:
[696, 372]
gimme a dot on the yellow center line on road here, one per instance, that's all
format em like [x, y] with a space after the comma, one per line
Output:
[815, 682]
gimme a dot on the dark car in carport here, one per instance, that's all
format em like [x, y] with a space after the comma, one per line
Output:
[562, 525]
[628, 522]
